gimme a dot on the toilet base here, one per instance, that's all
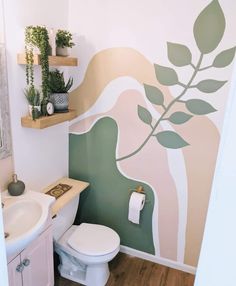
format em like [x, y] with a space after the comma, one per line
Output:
[94, 275]
[85, 269]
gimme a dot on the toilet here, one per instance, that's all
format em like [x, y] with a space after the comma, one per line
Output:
[84, 250]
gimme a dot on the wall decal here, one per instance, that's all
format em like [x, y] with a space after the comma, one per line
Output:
[208, 30]
[158, 125]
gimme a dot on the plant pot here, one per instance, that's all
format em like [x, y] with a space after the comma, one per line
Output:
[60, 101]
[63, 52]
[38, 107]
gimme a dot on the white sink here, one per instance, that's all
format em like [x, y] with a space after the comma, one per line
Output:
[24, 218]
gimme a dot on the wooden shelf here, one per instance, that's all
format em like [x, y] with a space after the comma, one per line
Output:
[47, 121]
[53, 60]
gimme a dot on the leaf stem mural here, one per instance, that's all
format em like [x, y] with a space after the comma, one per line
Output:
[208, 32]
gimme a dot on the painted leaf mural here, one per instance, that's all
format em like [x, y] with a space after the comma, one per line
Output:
[209, 27]
[165, 75]
[179, 55]
[154, 94]
[199, 107]
[210, 85]
[144, 115]
[179, 117]
[224, 58]
[170, 139]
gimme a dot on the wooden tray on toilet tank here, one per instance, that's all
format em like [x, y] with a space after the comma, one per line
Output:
[74, 188]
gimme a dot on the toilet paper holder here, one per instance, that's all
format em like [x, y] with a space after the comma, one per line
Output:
[139, 189]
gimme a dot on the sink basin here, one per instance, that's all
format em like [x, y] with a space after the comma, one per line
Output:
[24, 218]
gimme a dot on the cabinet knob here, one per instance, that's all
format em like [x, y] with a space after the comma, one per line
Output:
[20, 267]
[26, 262]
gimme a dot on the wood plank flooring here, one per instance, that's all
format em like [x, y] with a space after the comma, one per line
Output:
[131, 271]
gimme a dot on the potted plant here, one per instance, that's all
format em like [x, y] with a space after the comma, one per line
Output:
[34, 100]
[37, 37]
[63, 42]
[59, 90]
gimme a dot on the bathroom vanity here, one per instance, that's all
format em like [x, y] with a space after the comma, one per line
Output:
[34, 265]
[30, 260]
[28, 238]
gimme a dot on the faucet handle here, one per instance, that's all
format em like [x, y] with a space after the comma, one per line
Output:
[2, 205]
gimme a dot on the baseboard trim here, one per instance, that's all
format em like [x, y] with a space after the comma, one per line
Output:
[159, 260]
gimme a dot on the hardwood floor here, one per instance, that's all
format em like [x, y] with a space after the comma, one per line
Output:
[131, 271]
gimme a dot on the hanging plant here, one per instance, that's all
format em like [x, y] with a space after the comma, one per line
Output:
[37, 36]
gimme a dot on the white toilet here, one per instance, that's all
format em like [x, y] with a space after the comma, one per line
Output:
[85, 249]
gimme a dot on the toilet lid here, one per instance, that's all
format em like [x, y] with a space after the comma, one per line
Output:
[94, 239]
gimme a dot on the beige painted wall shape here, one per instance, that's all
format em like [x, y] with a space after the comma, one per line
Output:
[121, 62]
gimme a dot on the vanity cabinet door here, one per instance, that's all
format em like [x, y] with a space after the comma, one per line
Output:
[37, 259]
[14, 272]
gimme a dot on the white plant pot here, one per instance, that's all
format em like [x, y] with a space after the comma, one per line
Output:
[63, 52]
[38, 107]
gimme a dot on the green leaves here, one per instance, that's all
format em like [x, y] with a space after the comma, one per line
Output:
[154, 94]
[144, 115]
[209, 27]
[170, 139]
[224, 58]
[179, 117]
[179, 55]
[210, 85]
[166, 76]
[199, 107]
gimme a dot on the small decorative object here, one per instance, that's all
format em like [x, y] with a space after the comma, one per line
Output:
[34, 100]
[37, 37]
[50, 108]
[63, 42]
[59, 90]
[59, 190]
[16, 187]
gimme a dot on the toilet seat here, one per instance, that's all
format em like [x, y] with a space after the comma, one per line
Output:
[94, 239]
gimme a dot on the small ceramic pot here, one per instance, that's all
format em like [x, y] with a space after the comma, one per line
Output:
[38, 107]
[60, 101]
[63, 52]
[16, 187]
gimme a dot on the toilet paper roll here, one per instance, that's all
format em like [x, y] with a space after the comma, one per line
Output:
[136, 204]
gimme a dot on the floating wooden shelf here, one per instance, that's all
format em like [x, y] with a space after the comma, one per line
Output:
[53, 60]
[46, 121]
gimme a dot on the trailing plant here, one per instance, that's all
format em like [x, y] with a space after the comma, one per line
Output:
[64, 39]
[37, 36]
[179, 55]
[56, 82]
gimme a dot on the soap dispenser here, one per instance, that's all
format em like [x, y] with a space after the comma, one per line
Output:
[16, 187]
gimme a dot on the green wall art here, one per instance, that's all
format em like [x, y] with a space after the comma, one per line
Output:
[92, 159]
[155, 125]
[208, 31]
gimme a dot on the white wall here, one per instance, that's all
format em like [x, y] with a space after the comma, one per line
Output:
[40, 156]
[217, 264]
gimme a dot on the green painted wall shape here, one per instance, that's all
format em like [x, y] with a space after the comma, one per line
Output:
[92, 159]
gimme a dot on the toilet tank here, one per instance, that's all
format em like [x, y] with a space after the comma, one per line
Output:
[65, 218]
